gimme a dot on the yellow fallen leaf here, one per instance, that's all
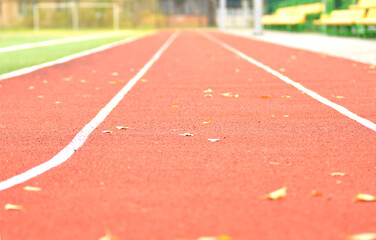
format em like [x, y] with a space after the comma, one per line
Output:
[208, 95]
[107, 131]
[208, 122]
[334, 174]
[13, 207]
[315, 193]
[109, 236]
[282, 69]
[278, 194]
[208, 91]
[207, 238]
[362, 197]
[230, 95]
[224, 237]
[274, 163]
[32, 189]
[57, 102]
[113, 82]
[362, 236]
[335, 96]
[285, 96]
[83, 81]
[266, 96]
[286, 116]
[44, 81]
[175, 106]
[115, 74]
[31, 87]
[121, 127]
[144, 80]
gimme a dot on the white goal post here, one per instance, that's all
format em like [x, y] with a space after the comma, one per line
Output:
[74, 6]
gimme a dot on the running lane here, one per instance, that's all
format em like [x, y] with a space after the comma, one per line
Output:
[345, 82]
[41, 112]
[148, 182]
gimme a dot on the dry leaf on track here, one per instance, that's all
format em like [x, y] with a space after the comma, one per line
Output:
[14, 207]
[315, 193]
[121, 127]
[113, 82]
[231, 95]
[266, 96]
[362, 197]
[175, 106]
[334, 174]
[278, 194]
[285, 96]
[336, 96]
[107, 131]
[208, 122]
[115, 74]
[222, 237]
[362, 236]
[208, 90]
[208, 95]
[32, 189]
[213, 139]
[187, 135]
[109, 236]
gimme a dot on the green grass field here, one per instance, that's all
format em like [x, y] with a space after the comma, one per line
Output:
[14, 60]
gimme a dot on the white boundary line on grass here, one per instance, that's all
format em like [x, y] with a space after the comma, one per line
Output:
[65, 59]
[81, 137]
[57, 41]
[339, 108]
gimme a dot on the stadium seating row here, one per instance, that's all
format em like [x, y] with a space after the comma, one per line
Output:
[358, 19]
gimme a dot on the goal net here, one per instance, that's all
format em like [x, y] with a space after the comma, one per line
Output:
[76, 15]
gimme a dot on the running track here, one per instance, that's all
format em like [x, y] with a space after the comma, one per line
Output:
[148, 182]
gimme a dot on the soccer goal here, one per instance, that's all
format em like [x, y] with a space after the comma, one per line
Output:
[74, 8]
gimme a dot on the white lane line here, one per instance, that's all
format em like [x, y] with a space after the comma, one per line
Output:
[365, 122]
[30, 69]
[81, 137]
[57, 41]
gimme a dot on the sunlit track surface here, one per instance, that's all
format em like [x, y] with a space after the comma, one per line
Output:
[149, 182]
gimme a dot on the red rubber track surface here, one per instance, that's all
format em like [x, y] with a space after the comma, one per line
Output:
[159, 185]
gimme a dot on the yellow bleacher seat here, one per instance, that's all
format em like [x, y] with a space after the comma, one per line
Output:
[314, 8]
[364, 4]
[369, 19]
[344, 17]
[292, 15]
